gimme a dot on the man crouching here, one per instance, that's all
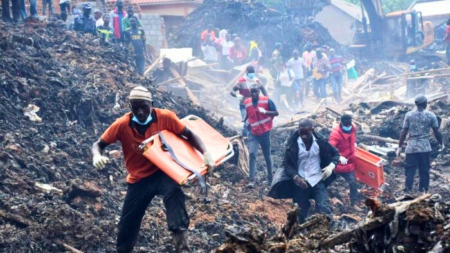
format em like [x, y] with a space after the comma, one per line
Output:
[308, 163]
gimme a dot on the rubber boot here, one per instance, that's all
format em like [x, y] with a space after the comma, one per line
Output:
[180, 241]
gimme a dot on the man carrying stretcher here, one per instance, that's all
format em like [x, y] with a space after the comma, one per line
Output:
[145, 180]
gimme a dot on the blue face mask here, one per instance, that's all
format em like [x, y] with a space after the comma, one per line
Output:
[251, 75]
[346, 129]
[149, 118]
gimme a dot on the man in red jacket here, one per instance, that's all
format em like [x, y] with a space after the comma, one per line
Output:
[343, 137]
[260, 111]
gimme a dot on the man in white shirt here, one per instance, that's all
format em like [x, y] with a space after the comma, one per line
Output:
[297, 64]
[285, 79]
[98, 18]
[226, 44]
[308, 165]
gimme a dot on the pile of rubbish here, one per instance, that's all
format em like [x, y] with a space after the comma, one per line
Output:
[59, 91]
[250, 22]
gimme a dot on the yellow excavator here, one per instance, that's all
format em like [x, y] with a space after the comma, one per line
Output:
[395, 34]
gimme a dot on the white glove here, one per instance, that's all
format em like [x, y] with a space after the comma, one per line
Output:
[100, 161]
[399, 151]
[240, 97]
[327, 171]
[343, 160]
[116, 107]
[208, 162]
[262, 110]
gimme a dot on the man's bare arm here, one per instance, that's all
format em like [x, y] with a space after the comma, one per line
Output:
[194, 140]
[438, 135]
[98, 147]
[402, 139]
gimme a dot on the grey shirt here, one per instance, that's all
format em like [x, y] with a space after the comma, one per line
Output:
[419, 124]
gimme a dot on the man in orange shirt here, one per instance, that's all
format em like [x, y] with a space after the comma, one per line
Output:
[209, 31]
[145, 180]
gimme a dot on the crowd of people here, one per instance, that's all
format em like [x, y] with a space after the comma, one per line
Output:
[293, 77]
[118, 26]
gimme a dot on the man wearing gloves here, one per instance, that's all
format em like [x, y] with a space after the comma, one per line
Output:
[343, 137]
[242, 91]
[145, 180]
[260, 111]
[308, 164]
[418, 123]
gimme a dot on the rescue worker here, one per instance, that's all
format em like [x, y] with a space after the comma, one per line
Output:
[117, 16]
[85, 23]
[260, 111]
[241, 91]
[145, 180]
[418, 123]
[136, 37]
[343, 138]
[307, 169]
[105, 31]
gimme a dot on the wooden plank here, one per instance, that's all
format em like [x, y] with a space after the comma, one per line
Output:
[241, 73]
[204, 66]
[362, 79]
[154, 64]
[191, 95]
[169, 81]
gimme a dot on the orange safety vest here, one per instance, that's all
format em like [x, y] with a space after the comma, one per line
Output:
[259, 123]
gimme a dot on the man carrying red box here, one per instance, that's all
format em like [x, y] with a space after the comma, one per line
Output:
[343, 138]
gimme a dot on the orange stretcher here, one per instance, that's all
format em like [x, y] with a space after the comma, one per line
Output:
[369, 169]
[178, 159]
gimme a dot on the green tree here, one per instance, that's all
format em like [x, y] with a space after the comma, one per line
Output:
[390, 5]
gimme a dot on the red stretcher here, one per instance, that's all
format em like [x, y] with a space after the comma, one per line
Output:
[369, 169]
[178, 159]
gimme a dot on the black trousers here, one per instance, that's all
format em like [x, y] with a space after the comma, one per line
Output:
[350, 178]
[140, 64]
[6, 15]
[318, 193]
[138, 197]
[412, 162]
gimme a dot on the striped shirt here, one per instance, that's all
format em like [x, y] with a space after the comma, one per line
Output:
[336, 63]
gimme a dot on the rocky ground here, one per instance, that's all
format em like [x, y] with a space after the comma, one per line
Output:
[51, 197]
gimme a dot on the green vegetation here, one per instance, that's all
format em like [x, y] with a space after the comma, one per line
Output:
[390, 5]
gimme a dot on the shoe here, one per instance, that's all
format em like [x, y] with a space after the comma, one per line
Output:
[251, 185]
[180, 241]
